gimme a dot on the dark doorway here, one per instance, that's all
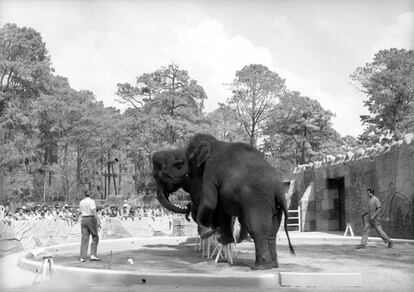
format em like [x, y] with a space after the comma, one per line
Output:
[336, 191]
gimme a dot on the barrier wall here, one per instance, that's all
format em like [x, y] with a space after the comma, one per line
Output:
[26, 235]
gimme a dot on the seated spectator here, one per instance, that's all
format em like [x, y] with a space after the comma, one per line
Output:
[67, 215]
[114, 212]
[126, 211]
[48, 214]
[38, 214]
[22, 215]
[31, 215]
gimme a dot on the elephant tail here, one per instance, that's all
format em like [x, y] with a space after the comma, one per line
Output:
[285, 211]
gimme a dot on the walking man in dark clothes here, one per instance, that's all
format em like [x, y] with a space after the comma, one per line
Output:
[373, 221]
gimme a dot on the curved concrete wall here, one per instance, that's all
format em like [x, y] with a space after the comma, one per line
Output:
[26, 235]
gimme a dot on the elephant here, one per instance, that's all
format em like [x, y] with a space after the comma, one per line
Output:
[237, 180]
[170, 174]
[170, 171]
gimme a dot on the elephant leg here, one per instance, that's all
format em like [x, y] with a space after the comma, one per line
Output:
[208, 204]
[205, 232]
[277, 219]
[226, 228]
[259, 225]
[244, 234]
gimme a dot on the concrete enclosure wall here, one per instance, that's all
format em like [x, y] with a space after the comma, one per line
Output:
[332, 192]
[26, 235]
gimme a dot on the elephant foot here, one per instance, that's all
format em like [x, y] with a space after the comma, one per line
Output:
[224, 239]
[206, 232]
[265, 266]
[243, 236]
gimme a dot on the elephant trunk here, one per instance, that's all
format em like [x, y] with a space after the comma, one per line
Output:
[162, 197]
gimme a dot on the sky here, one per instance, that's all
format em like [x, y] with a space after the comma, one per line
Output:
[313, 45]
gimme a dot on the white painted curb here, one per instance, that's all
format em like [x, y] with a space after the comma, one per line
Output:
[291, 279]
[265, 280]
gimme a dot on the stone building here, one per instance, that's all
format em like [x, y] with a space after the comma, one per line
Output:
[331, 192]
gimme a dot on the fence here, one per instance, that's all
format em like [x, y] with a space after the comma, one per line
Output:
[296, 218]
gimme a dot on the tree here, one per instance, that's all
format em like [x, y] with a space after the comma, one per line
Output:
[226, 125]
[255, 90]
[388, 81]
[171, 97]
[24, 64]
[167, 108]
[299, 129]
[24, 71]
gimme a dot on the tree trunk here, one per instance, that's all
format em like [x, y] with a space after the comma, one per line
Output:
[66, 185]
[136, 175]
[102, 179]
[78, 170]
[119, 172]
[2, 194]
[113, 176]
[52, 186]
[105, 178]
[109, 172]
[44, 187]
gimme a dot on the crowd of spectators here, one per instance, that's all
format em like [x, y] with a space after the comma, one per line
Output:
[127, 211]
[39, 212]
[70, 214]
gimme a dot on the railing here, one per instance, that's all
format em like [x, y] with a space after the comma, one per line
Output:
[296, 218]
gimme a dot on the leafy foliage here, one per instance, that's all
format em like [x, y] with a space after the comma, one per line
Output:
[255, 91]
[24, 64]
[226, 126]
[299, 129]
[169, 100]
[167, 108]
[388, 81]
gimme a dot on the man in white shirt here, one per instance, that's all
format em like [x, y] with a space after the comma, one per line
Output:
[89, 226]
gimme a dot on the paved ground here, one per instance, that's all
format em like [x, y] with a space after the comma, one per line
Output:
[382, 269]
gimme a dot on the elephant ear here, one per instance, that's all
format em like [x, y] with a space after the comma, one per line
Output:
[203, 153]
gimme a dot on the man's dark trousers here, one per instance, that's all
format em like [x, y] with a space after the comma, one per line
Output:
[89, 226]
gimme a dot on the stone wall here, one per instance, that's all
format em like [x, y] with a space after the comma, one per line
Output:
[332, 192]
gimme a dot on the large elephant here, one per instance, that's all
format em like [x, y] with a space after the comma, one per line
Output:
[170, 173]
[238, 181]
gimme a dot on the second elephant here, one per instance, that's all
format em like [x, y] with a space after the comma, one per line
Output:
[169, 170]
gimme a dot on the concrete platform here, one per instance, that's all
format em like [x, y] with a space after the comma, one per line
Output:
[339, 275]
[288, 279]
